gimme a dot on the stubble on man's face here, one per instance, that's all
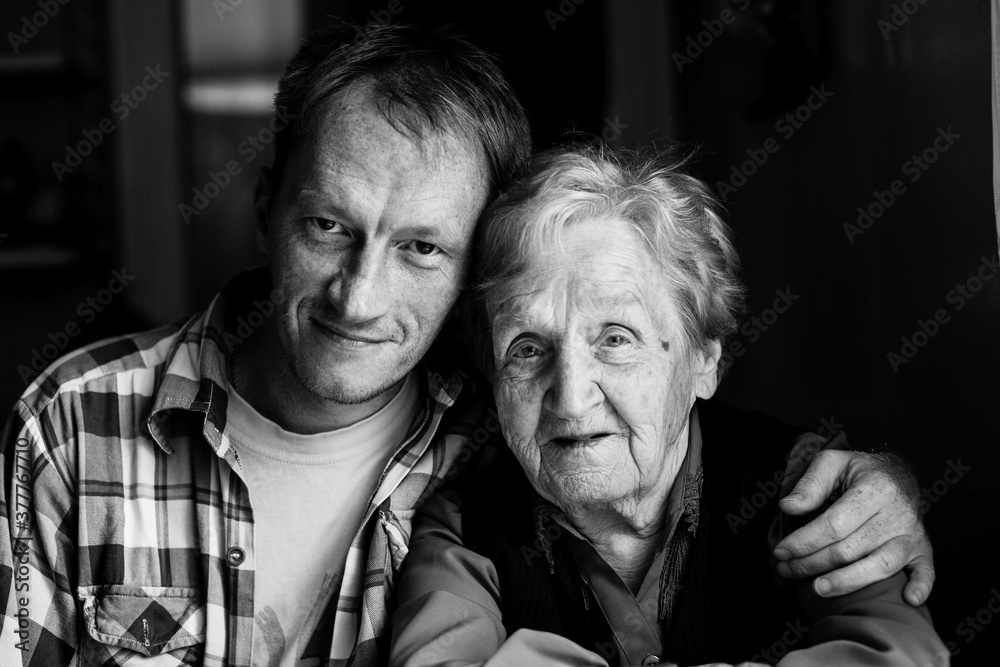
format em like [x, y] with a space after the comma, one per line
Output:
[369, 238]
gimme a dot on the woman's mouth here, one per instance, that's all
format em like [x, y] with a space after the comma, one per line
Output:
[579, 440]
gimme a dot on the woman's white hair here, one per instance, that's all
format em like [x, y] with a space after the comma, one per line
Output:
[673, 213]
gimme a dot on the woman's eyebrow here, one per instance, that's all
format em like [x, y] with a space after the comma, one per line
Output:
[506, 323]
[434, 233]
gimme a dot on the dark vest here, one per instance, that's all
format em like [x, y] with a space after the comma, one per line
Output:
[730, 606]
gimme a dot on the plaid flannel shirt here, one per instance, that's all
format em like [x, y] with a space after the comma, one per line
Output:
[128, 533]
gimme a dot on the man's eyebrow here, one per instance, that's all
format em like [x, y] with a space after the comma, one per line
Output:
[316, 197]
[322, 201]
[328, 201]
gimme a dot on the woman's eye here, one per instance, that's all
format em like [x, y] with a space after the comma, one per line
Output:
[616, 340]
[527, 351]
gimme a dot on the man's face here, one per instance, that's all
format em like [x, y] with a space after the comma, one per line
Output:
[368, 235]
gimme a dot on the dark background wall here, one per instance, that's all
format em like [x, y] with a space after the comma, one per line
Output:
[869, 94]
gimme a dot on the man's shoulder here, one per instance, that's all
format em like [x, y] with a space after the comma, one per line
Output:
[106, 369]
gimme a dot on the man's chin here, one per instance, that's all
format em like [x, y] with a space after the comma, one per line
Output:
[348, 377]
[342, 385]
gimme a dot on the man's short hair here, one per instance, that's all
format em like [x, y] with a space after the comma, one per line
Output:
[674, 214]
[423, 82]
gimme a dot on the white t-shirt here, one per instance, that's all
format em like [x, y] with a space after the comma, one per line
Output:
[309, 496]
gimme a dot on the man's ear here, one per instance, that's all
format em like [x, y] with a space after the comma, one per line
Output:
[262, 194]
[706, 371]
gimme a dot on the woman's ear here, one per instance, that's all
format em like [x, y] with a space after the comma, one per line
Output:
[706, 375]
[262, 194]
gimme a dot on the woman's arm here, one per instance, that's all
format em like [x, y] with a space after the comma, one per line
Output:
[448, 609]
[448, 605]
[871, 626]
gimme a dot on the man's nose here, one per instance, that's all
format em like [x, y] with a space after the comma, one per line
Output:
[574, 392]
[358, 292]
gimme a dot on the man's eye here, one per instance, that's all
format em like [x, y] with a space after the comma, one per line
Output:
[423, 248]
[328, 225]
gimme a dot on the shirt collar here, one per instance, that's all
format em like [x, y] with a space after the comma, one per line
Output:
[191, 392]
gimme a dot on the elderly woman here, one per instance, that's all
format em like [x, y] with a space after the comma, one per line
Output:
[608, 285]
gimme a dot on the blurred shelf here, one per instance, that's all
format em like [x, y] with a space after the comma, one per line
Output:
[240, 96]
[31, 64]
[42, 256]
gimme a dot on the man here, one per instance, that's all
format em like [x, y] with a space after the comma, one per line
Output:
[196, 496]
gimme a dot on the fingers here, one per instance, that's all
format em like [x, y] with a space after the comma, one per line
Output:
[843, 518]
[852, 548]
[883, 562]
[918, 588]
[875, 523]
[825, 473]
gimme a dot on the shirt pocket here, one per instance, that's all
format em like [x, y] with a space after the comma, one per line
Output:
[150, 622]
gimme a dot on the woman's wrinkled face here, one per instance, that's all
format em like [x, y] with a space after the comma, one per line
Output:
[594, 382]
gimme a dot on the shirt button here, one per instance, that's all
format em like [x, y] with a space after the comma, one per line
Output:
[236, 556]
[651, 660]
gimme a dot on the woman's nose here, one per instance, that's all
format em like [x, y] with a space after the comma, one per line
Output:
[574, 392]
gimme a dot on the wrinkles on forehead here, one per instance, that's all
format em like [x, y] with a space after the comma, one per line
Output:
[355, 167]
[348, 132]
[582, 282]
[559, 297]
[344, 127]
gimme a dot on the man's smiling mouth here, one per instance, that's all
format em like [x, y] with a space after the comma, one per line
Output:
[348, 338]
